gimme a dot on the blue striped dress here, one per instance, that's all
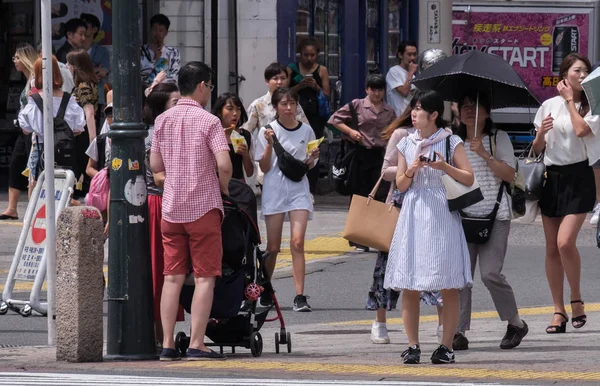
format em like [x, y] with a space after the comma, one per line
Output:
[428, 251]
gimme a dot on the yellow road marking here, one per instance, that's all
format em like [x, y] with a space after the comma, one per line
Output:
[12, 222]
[589, 307]
[389, 370]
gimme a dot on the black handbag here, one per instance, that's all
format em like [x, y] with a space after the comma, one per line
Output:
[534, 175]
[516, 189]
[344, 165]
[478, 230]
[292, 168]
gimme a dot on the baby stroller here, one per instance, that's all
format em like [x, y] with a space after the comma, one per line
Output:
[236, 318]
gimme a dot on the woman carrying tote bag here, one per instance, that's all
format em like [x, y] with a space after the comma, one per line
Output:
[569, 192]
[428, 250]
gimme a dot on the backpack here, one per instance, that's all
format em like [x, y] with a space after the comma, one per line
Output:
[64, 139]
[343, 169]
[99, 189]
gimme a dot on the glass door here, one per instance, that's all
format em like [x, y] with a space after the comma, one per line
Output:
[373, 40]
[393, 31]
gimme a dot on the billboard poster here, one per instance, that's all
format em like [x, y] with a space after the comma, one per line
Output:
[533, 42]
[64, 10]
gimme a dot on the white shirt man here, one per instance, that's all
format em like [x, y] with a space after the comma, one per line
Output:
[399, 90]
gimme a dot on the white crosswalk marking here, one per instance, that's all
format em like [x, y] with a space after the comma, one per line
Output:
[29, 379]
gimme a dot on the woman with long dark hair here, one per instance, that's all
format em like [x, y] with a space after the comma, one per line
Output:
[163, 97]
[86, 93]
[428, 250]
[229, 108]
[569, 191]
[25, 57]
[491, 156]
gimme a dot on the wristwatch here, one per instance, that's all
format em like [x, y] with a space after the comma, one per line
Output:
[490, 160]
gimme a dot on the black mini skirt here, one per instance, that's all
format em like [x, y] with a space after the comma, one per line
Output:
[568, 189]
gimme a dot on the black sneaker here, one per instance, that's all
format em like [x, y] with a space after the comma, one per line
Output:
[265, 300]
[412, 355]
[514, 335]
[300, 304]
[460, 342]
[442, 356]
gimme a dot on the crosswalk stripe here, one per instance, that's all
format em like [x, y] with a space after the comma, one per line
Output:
[62, 379]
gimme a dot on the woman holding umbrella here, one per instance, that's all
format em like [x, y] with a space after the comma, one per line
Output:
[491, 155]
[569, 192]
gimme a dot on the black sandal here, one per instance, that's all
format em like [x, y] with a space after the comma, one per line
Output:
[581, 320]
[558, 329]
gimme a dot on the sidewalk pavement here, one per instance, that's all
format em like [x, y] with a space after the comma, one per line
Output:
[344, 351]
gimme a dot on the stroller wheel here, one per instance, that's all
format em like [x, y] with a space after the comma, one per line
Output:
[256, 344]
[182, 343]
[289, 342]
[276, 343]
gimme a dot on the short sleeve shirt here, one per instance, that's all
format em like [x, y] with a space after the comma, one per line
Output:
[563, 146]
[396, 77]
[187, 138]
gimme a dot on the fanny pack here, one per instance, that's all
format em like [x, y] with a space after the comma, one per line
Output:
[292, 168]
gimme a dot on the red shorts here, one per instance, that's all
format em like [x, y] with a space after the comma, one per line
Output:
[199, 241]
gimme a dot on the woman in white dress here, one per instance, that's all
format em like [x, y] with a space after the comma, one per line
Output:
[283, 198]
[429, 251]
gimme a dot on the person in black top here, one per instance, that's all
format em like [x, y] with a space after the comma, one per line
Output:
[230, 109]
[75, 30]
[309, 79]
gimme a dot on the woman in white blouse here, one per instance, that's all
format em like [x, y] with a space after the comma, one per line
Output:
[31, 119]
[569, 192]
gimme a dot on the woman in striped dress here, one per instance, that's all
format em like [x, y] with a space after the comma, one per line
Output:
[429, 251]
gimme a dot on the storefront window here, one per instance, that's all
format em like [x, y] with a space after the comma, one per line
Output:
[372, 35]
[303, 18]
[393, 31]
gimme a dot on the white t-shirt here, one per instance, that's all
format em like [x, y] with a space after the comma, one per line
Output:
[396, 77]
[563, 147]
[279, 193]
[92, 150]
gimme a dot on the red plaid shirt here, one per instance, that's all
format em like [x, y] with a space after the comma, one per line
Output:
[187, 137]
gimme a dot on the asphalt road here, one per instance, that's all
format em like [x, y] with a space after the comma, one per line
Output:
[337, 287]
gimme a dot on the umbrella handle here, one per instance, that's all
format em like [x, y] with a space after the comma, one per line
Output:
[476, 114]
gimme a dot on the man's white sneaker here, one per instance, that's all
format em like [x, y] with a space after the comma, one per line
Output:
[379, 333]
[596, 215]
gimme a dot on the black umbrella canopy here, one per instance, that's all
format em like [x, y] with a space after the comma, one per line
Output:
[476, 70]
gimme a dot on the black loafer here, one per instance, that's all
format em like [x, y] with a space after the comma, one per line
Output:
[514, 335]
[194, 354]
[460, 342]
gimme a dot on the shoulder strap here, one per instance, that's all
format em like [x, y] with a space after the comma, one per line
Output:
[354, 116]
[38, 101]
[493, 142]
[63, 105]
[448, 160]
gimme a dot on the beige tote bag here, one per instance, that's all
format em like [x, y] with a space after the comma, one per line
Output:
[371, 223]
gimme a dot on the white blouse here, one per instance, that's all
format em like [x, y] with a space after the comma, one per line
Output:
[563, 147]
[31, 118]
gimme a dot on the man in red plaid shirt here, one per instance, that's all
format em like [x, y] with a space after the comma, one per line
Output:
[189, 145]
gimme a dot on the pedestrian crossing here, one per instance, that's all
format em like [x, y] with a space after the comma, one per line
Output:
[62, 379]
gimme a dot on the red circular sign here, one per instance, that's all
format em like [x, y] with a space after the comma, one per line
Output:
[38, 229]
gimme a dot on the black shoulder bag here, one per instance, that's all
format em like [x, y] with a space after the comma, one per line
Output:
[343, 168]
[292, 168]
[478, 230]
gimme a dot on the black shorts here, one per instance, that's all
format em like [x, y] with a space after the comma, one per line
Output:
[568, 189]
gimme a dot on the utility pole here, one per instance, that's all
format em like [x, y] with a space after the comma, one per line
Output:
[130, 303]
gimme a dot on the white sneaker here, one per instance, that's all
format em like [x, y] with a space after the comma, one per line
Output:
[440, 333]
[596, 215]
[379, 333]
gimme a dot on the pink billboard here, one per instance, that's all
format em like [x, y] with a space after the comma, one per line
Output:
[533, 43]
